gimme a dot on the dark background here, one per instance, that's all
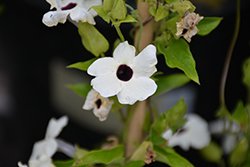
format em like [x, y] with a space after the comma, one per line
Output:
[27, 46]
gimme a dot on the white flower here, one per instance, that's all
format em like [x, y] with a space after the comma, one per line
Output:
[78, 10]
[48, 146]
[229, 141]
[101, 106]
[194, 134]
[125, 75]
[43, 161]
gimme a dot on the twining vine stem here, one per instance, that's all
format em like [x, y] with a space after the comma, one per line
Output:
[228, 58]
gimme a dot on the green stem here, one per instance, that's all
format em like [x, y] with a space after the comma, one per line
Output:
[141, 29]
[118, 30]
[137, 17]
[228, 58]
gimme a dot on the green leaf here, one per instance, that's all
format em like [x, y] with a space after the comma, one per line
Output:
[161, 12]
[170, 2]
[240, 114]
[178, 55]
[155, 134]
[176, 113]
[141, 152]
[152, 10]
[134, 164]
[80, 152]
[64, 163]
[81, 89]
[128, 19]
[92, 39]
[82, 65]
[102, 13]
[212, 152]
[171, 24]
[169, 82]
[169, 156]
[182, 6]
[246, 73]
[208, 24]
[239, 153]
[172, 118]
[105, 156]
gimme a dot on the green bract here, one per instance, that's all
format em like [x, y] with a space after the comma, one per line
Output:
[92, 39]
[119, 10]
[108, 5]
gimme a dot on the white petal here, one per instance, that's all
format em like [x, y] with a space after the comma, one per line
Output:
[124, 53]
[43, 161]
[103, 111]
[89, 3]
[90, 100]
[103, 66]
[136, 89]
[47, 147]
[55, 127]
[21, 165]
[107, 85]
[195, 134]
[52, 18]
[79, 14]
[228, 143]
[52, 3]
[168, 134]
[144, 63]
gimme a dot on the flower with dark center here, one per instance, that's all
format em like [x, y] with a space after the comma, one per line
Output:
[124, 72]
[101, 106]
[77, 10]
[125, 75]
[195, 133]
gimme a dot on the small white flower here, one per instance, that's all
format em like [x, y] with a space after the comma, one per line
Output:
[194, 134]
[101, 106]
[49, 146]
[78, 10]
[43, 161]
[229, 141]
[125, 75]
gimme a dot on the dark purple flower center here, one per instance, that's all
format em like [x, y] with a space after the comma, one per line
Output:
[98, 103]
[124, 72]
[181, 130]
[69, 6]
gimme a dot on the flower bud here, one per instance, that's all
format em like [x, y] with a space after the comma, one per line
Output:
[108, 5]
[119, 11]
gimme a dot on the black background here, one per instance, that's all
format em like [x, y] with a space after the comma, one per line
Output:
[27, 46]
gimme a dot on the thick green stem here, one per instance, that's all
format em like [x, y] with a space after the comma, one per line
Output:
[228, 58]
